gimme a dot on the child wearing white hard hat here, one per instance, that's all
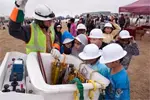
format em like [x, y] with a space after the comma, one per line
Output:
[96, 37]
[79, 43]
[67, 43]
[91, 55]
[110, 30]
[129, 44]
[81, 29]
[119, 88]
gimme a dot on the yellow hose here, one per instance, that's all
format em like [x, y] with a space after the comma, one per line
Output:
[92, 74]
[56, 74]
[91, 91]
[75, 94]
[53, 68]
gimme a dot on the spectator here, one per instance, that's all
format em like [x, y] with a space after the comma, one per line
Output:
[69, 25]
[102, 18]
[57, 28]
[67, 41]
[79, 43]
[81, 29]
[90, 55]
[122, 21]
[110, 31]
[127, 21]
[73, 27]
[119, 87]
[97, 22]
[147, 19]
[88, 23]
[96, 37]
[128, 44]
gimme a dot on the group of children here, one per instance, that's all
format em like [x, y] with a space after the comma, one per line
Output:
[109, 52]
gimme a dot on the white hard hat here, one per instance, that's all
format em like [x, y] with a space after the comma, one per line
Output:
[82, 38]
[124, 34]
[90, 51]
[111, 53]
[96, 33]
[43, 13]
[58, 26]
[67, 40]
[81, 26]
[108, 25]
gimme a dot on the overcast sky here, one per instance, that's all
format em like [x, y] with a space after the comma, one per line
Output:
[64, 7]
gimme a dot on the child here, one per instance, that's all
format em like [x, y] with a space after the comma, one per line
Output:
[129, 44]
[81, 29]
[57, 28]
[79, 43]
[96, 37]
[67, 41]
[119, 88]
[110, 32]
[90, 55]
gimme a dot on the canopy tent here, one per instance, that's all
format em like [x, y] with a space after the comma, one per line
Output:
[138, 7]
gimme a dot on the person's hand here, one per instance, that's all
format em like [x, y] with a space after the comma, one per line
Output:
[117, 38]
[132, 40]
[20, 4]
[113, 21]
[55, 53]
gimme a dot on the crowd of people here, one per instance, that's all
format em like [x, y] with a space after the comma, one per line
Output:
[2, 25]
[101, 43]
[117, 46]
[95, 21]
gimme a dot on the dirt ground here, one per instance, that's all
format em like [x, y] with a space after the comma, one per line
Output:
[139, 69]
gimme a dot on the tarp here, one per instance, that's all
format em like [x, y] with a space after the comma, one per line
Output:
[138, 7]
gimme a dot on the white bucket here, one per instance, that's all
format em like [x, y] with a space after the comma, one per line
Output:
[38, 85]
[64, 91]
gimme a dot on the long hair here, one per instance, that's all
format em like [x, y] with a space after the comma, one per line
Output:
[40, 23]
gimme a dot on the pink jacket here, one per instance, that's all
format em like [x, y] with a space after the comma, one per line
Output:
[73, 29]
